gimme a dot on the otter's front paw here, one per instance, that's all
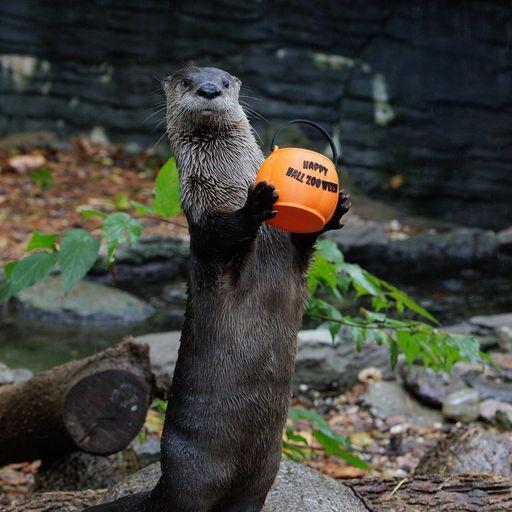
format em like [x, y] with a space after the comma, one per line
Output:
[260, 202]
[342, 208]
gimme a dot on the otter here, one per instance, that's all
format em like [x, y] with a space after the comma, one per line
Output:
[221, 444]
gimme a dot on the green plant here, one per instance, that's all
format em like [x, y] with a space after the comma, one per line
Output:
[42, 178]
[297, 447]
[332, 280]
[74, 252]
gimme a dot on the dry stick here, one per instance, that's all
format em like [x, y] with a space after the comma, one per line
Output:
[393, 492]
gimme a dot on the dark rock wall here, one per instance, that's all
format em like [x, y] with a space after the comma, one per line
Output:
[419, 93]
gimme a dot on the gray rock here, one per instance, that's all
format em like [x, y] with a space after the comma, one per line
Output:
[504, 362]
[462, 405]
[163, 352]
[428, 386]
[505, 242]
[387, 399]
[99, 136]
[359, 238]
[6, 374]
[87, 302]
[14, 375]
[490, 388]
[469, 450]
[79, 471]
[148, 451]
[21, 375]
[374, 245]
[154, 247]
[297, 488]
[492, 321]
[133, 148]
[489, 409]
[505, 337]
[322, 364]
[148, 261]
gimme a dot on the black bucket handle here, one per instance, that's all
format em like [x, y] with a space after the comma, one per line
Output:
[314, 125]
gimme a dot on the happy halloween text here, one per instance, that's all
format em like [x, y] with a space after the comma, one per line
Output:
[312, 180]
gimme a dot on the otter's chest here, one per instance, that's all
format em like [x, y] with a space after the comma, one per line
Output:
[202, 193]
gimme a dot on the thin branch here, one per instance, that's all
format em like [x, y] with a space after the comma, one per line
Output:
[376, 325]
[162, 219]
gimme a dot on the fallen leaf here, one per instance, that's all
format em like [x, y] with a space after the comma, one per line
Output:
[24, 163]
[361, 439]
[338, 471]
[369, 374]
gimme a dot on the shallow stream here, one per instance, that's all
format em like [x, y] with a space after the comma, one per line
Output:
[40, 345]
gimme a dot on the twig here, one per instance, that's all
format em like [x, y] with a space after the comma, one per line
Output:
[162, 219]
[395, 490]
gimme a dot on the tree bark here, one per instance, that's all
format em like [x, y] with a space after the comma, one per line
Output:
[96, 404]
[458, 493]
[58, 502]
[468, 492]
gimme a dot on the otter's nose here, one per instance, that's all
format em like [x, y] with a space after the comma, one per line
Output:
[209, 90]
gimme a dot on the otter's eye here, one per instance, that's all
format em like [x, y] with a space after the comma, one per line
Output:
[225, 83]
[186, 82]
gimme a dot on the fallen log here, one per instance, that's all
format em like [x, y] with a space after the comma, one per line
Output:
[58, 502]
[470, 492]
[97, 405]
[459, 493]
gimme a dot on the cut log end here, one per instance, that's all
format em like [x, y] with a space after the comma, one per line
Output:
[104, 411]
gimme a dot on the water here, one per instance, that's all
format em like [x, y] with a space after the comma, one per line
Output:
[39, 345]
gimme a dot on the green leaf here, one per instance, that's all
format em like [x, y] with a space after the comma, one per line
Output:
[361, 283]
[9, 268]
[28, 271]
[321, 272]
[141, 209]
[329, 250]
[296, 438]
[332, 447]
[87, 214]
[320, 307]
[120, 228]
[393, 353]
[296, 414]
[167, 190]
[42, 177]
[408, 345]
[122, 202]
[468, 346]
[41, 241]
[404, 299]
[293, 452]
[357, 334]
[78, 253]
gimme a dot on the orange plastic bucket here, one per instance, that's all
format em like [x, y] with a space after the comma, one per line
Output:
[307, 184]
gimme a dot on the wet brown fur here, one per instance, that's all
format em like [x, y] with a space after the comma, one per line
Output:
[221, 445]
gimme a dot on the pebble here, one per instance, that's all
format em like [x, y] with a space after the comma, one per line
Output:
[489, 408]
[462, 405]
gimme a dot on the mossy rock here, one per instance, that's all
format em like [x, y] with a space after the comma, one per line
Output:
[87, 302]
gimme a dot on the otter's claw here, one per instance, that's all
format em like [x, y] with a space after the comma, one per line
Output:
[343, 206]
[260, 201]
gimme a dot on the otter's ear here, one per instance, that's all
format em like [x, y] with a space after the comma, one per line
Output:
[237, 81]
[166, 82]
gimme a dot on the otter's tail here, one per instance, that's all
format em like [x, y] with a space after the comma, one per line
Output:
[133, 503]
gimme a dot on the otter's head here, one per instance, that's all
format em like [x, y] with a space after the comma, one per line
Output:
[202, 97]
